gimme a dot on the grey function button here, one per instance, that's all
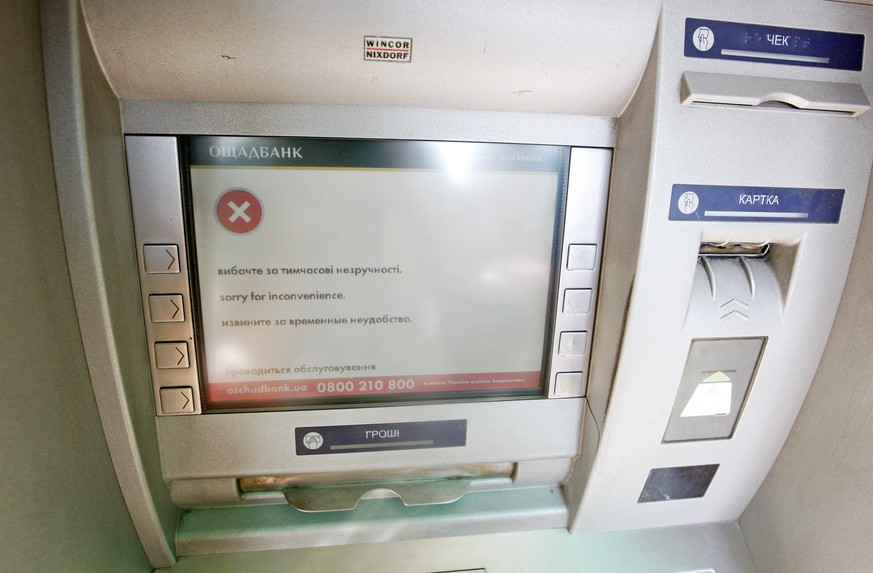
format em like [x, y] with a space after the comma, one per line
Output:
[572, 343]
[577, 301]
[177, 400]
[160, 259]
[171, 355]
[582, 257]
[166, 308]
[568, 384]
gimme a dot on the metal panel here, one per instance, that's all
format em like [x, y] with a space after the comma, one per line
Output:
[89, 170]
[156, 203]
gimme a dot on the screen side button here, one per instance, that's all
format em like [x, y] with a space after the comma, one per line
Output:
[160, 259]
[171, 355]
[577, 301]
[177, 400]
[582, 258]
[568, 384]
[166, 308]
[572, 343]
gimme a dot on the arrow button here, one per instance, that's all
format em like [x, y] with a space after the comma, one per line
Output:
[577, 301]
[171, 355]
[166, 308]
[177, 400]
[160, 259]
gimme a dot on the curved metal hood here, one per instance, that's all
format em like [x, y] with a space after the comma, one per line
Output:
[556, 56]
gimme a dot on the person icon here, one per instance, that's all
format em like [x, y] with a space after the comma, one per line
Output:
[313, 440]
[703, 38]
[688, 202]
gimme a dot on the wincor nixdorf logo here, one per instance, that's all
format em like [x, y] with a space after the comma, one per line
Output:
[386, 49]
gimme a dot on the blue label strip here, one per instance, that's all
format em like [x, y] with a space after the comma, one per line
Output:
[773, 45]
[755, 204]
[318, 440]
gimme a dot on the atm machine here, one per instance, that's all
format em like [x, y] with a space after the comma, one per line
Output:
[378, 275]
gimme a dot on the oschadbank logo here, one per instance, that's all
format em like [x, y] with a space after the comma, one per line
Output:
[255, 152]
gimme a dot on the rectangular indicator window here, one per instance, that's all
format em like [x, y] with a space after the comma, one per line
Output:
[343, 271]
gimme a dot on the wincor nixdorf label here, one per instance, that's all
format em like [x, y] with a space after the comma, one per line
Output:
[387, 49]
[316, 440]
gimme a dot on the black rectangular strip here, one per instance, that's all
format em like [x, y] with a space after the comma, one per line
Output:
[755, 204]
[317, 440]
[371, 154]
[773, 45]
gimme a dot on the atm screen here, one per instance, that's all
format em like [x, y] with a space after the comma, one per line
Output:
[344, 271]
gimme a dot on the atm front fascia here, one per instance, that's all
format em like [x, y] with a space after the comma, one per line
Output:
[240, 317]
[323, 311]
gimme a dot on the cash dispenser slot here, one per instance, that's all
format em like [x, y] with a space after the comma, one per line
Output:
[727, 90]
[342, 492]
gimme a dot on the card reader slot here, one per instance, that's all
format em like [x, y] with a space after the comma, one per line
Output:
[745, 253]
[734, 249]
[712, 264]
[727, 90]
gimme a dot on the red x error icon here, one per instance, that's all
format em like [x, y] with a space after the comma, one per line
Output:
[238, 211]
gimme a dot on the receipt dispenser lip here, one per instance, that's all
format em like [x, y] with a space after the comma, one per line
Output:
[708, 89]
